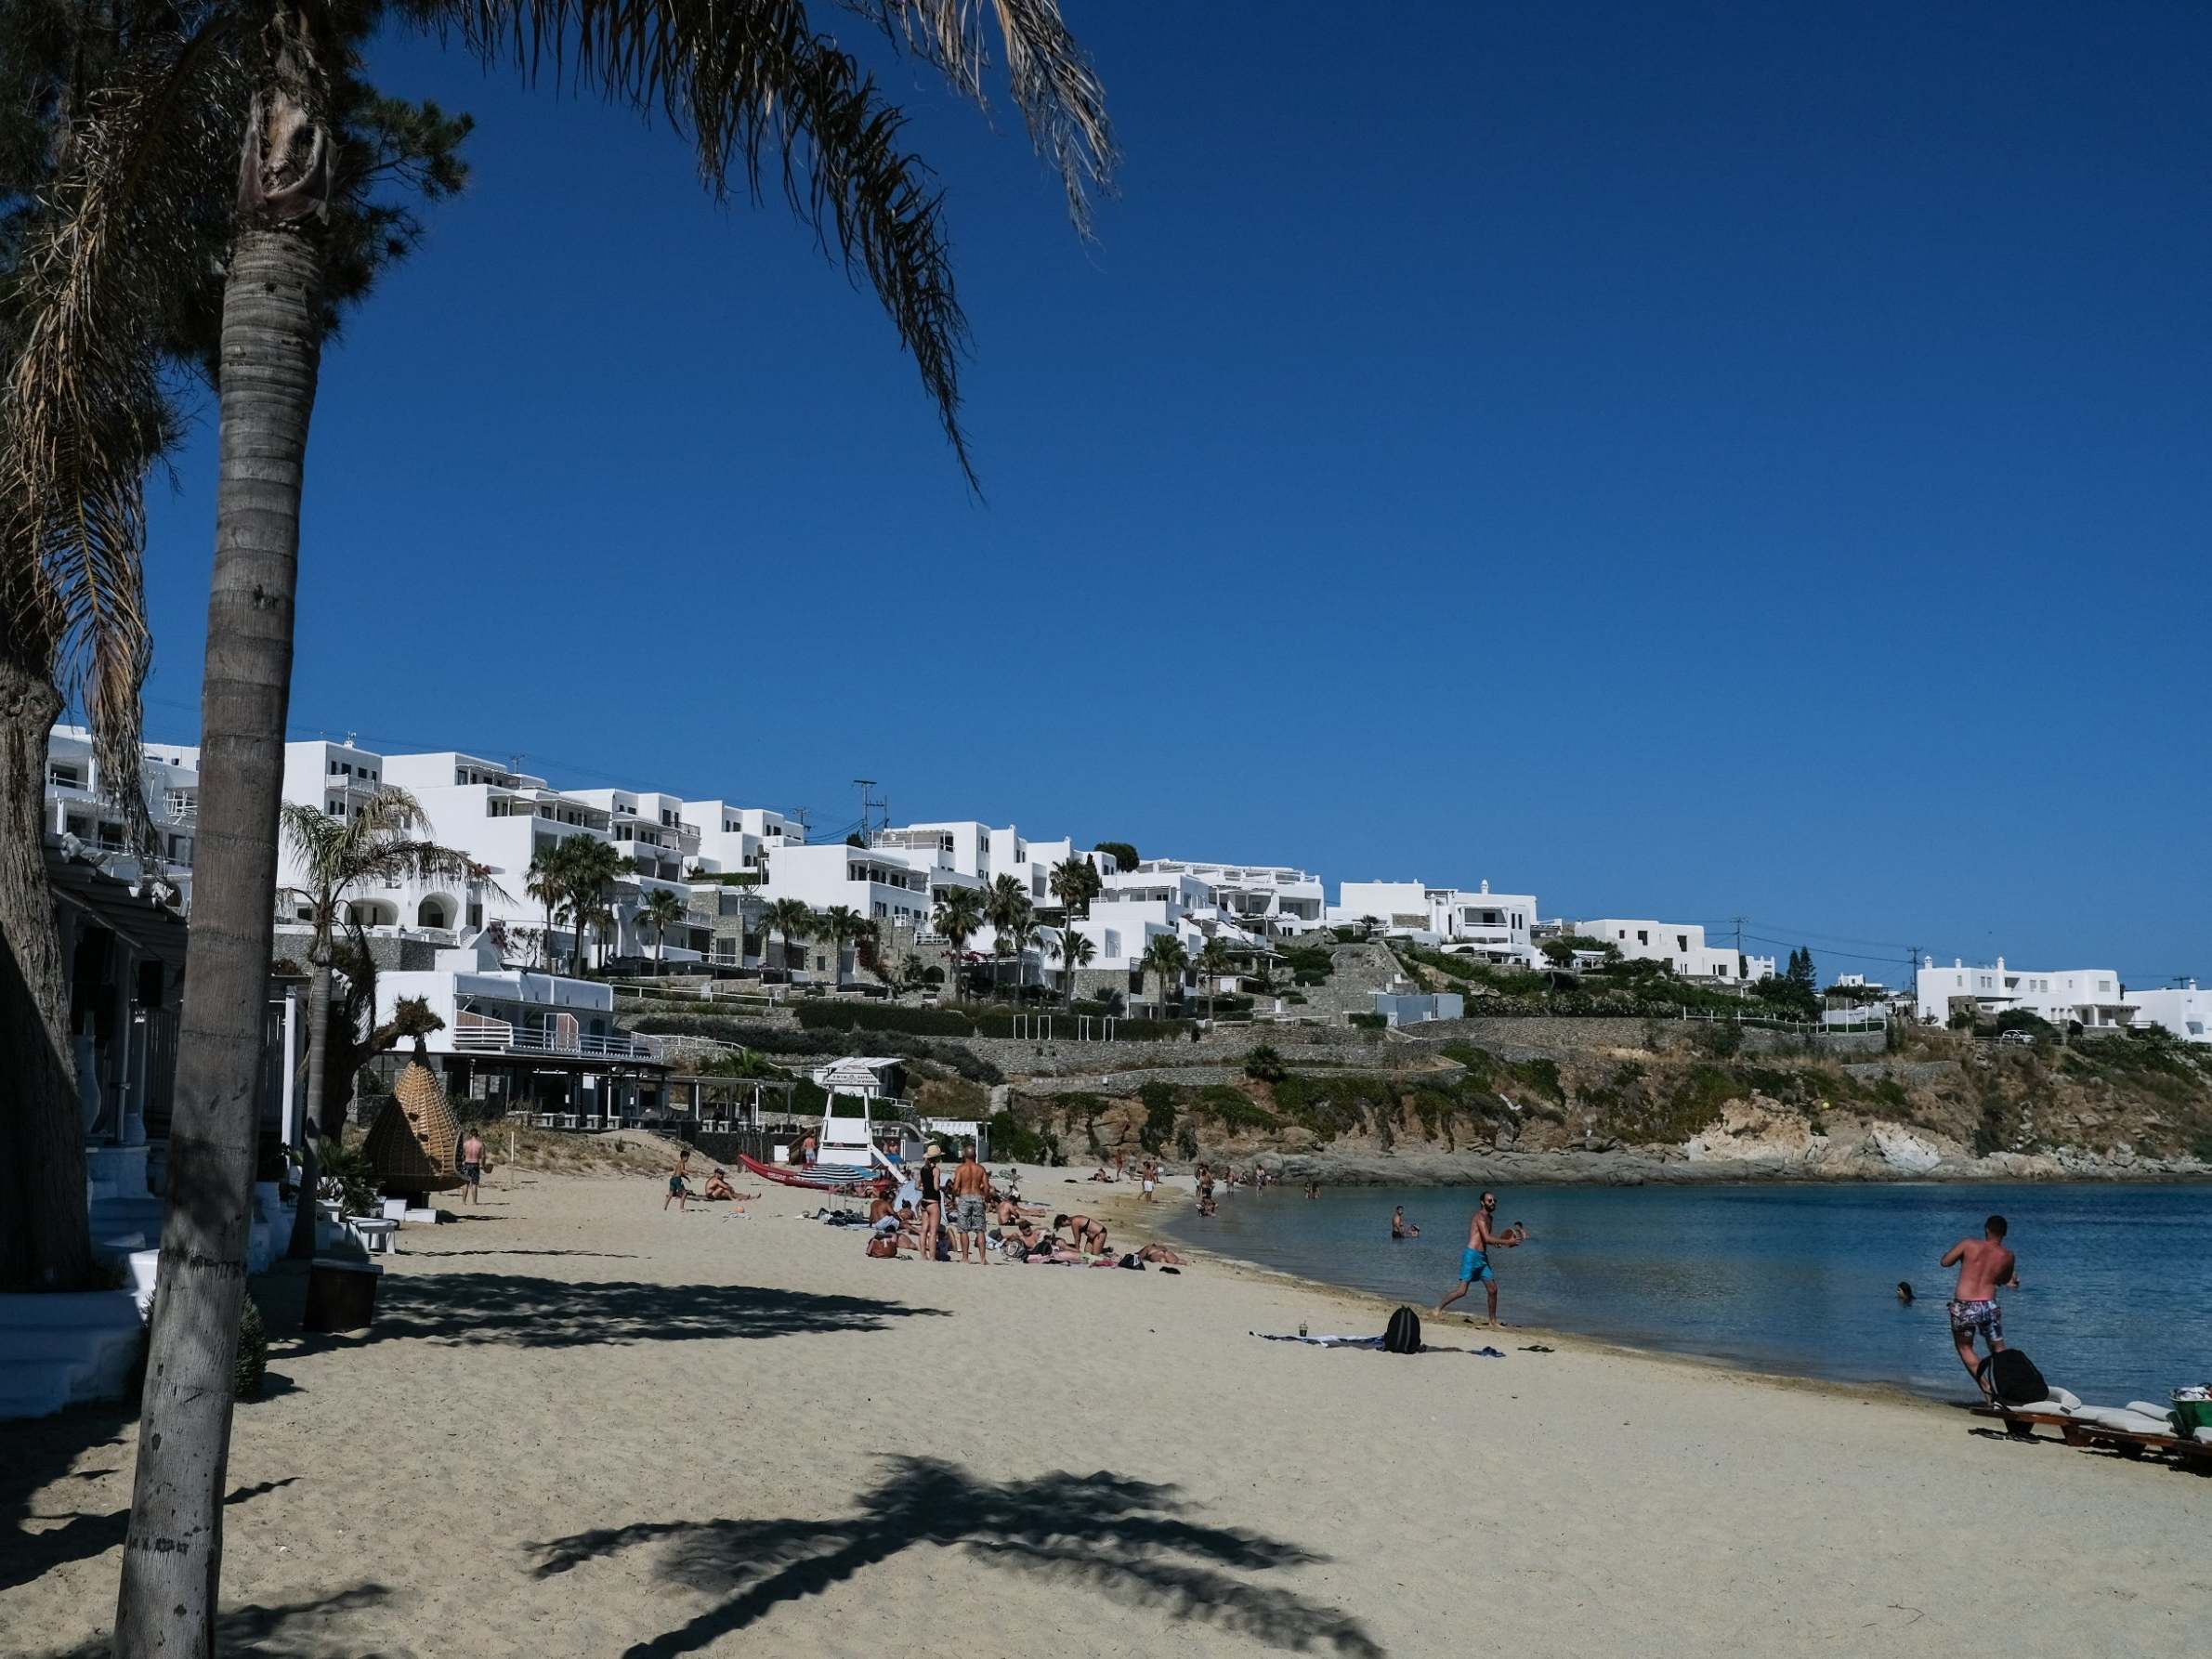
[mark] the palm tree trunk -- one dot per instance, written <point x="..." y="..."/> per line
<point x="46" y="1241"/>
<point x="271" y="351"/>
<point x="302" y="1248"/>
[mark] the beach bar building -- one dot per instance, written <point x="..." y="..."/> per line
<point x="539" y="1043"/>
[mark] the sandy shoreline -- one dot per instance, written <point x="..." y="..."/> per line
<point x="583" y="1426"/>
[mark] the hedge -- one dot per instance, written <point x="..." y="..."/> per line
<point x="885" y="1016"/>
<point x="956" y="1022"/>
<point x="831" y="1043"/>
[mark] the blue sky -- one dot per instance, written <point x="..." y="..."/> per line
<point x="1689" y="461"/>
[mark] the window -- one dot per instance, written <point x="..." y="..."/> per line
<point x="336" y="809"/>
<point x="1682" y="943"/>
<point x="1643" y="937"/>
<point x="334" y="766"/>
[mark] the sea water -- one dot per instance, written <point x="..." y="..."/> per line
<point x="2115" y="1297"/>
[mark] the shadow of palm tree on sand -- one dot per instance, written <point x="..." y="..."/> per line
<point x="325" y="1628"/>
<point x="520" y="1311"/>
<point x="1126" y="1539"/>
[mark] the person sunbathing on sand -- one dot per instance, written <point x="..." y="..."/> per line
<point x="718" y="1185"/>
<point x="1160" y="1253"/>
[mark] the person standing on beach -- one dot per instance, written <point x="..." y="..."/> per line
<point x="472" y="1165"/>
<point x="1474" y="1260"/>
<point x="1983" y="1264"/>
<point x="932" y="1208"/>
<point x="1151" y="1177"/>
<point x="969" y="1183"/>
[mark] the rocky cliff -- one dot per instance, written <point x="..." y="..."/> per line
<point x="1667" y="1106"/>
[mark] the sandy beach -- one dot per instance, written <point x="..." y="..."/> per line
<point x="584" y="1426"/>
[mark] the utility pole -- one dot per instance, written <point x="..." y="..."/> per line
<point x="864" y="785"/>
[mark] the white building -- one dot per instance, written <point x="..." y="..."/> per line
<point x="733" y="839"/>
<point x="1680" y="945"/>
<point x="77" y="801"/>
<point x="876" y="885"/>
<point x="2183" y="1010"/>
<point x="981" y="853"/>
<point x="2092" y="998"/>
<point x="1497" y="927"/>
<point x="1272" y="899"/>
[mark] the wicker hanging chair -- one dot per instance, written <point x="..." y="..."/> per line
<point x="413" y="1140"/>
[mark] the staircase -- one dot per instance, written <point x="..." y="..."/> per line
<point x="63" y="1350"/>
<point x="57" y="1350"/>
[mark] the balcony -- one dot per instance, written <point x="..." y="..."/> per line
<point x="478" y="1034"/>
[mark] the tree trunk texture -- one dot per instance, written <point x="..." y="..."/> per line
<point x="46" y="1241"/>
<point x="173" y="1553"/>
<point x="311" y="1107"/>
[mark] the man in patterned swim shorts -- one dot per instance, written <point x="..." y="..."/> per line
<point x="1983" y="1264"/>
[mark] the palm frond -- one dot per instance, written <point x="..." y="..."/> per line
<point x="1058" y="93"/>
<point x="760" y="93"/>
<point x="83" y="414"/>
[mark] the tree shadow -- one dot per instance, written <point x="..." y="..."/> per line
<point x="1126" y="1539"/>
<point x="604" y="1255"/>
<point x="323" y="1629"/>
<point x="81" y="1535"/>
<point x="478" y="1309"/>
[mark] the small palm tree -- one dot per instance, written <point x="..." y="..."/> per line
<point x="1073" y="950"/>
<point x="841" y="925"/>
<point x="1166" y="957"/>
<point x="383" y="841"/>
<point x="661" y="910"/>
<point x="1002" y="903"/>
<point x="545" y="883"/>
<point x="795" y="919"/>
<point x="1213" y="961"/>
<point x="1075" y="882"/>
<point x="958" y="914"/>
<point x="589" y="869"/>
<point x="1021" y="938"/>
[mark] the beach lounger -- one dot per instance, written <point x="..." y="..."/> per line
<point x="2129" y="1431"/>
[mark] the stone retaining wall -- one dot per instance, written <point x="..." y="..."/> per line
<point x="1554" y="1037"/>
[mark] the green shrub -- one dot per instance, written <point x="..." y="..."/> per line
<point x="885" y="1016"/>
<point x="1159" y="1113"/>
<point x="250" y="1367"/>
<point x="1263" y="1065"/>
<point x="1010" y="1138"/>
<point x="1366" y="1022"/>
<point x="1232" y="1108"/>
<point x="344" y="1172"/>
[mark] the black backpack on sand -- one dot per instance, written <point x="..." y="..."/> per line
<point x="2012" y="1378"/>
<point x="1402" y="1335"/>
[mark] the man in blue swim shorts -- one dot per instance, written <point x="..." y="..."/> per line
<point x="1474" y="1260"/>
